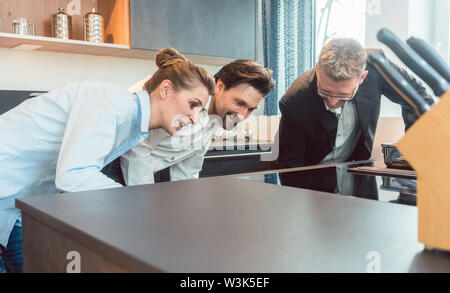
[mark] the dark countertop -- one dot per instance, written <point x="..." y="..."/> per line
<point x="400" y="187"/>
<point x="225" y="224"/>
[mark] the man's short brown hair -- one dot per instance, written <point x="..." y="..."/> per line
<point x="246" y="71"/>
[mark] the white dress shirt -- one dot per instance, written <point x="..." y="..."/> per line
<point x="348" y="133"/>
<point x="61" y="140"/>
<point x="183" y="152"/>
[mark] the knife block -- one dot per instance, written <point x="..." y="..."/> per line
<point x="426" y="146"/>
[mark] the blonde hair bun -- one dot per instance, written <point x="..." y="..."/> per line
<point x="181" y="72"/>
<point x="169" y="56"/>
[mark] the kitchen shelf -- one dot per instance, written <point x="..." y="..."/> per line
<point x="116" y="15"/>
<point x="38" y="43"/>
<point x="25" y="42"/>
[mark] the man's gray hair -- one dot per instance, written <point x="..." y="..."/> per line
<point x="343" y="59"/>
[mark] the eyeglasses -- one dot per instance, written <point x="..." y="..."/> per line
<point x="340" y="98"/>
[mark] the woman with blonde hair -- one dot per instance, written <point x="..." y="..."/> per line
<point x="61" y="140"/>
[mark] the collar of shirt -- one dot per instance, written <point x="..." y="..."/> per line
<point x="144" y="100"/>
<point x="337" y="111"/>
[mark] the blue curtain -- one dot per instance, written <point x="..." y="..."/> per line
<point x="288" y="43"/>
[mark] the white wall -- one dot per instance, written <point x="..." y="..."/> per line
<point x="442" y="31"/>
<point x="421" y="19"/>
<point x="405" y="18"/>
<point x="40" y="70"/>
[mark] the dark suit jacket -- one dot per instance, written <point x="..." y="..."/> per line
<point x="307" y="130"/>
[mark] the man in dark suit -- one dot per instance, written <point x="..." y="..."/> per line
<point x="330" y="113"/>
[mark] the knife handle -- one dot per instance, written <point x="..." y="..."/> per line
<point x="402" y="87"/>
<point x="431" y="56"/>
<point x="414" y="61"/>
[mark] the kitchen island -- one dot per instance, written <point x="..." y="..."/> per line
<point x="222" y="224"/>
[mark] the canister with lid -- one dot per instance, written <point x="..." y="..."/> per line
<point x="93" y="27"/>
<point x="20" y="26"/>
<point x="61" y="25"/>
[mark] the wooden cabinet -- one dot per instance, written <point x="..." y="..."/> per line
<point x="226" y="29"/>
<point x="39" y="12"/>
<point x="116" y="16"/>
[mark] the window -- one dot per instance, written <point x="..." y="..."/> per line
<point x="340" y="18"/>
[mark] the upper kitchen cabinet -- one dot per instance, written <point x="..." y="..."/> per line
<point x="216" y="28"/>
